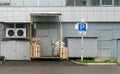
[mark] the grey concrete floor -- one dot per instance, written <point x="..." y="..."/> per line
<point x="54" y="67"/>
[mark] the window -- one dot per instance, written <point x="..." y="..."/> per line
<point x="80" y="2"/>
<point x="107" y="2"/>
<point x="4" y="2"/>
<point x="117" y="2"/>
<point x="95" y="2"/>
<point x="69" y="2"/>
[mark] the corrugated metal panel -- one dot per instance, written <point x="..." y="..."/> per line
<point x="8" y="50"/>
<point x="15" y="50"/>
<point x="47" y="32"/>
<point x="46" y="46"/>
<point x="119" y="51"/>
<point x="90" y="47"/>
<point x="114" y="50"/>
<point x="22" y="48"/>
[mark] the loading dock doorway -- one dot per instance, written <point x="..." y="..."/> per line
<point x="46" y="26"/>
<point x="48" y="33"/>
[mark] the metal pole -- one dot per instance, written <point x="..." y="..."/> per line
<point x="82" y="47"/>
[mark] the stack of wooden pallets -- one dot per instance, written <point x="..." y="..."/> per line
<point x="64" y="53"/>
<point x="35" y="48"/>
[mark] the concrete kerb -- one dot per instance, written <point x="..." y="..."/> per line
<point x="94" y="63"/>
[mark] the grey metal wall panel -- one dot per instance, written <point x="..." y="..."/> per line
<point x="104" y="31"/>
<point x="90" y="47"/>
<point x="9" y="16"/>
<point x="46" y="48"/>
<point x="3" y="16"/>
<point x="114" y="50"/>
<point x="119" y="51"/>
<point x="68" y="13"/>
<point x="106" y="35"/>
<point x="116" y="26"/>
<point x="116" y="16"/>
<point x="42" y="33"/>
<point x="93" y="33"/>
<point x="105" y="54"/>
<point x="2" y="33"/>
<point x="70" y="33"/>
<point x="8" y="50"/>
<point x="19" y="16"/>
<point x="47" y="32"/>
<point x="2" y="26"/>
<point x="106" y="44"/>
<point x="116" y="34"/>
<point x="22" y="50"/>
<point x="53" y="34"/>
<point x="68" y="25"/>
<point x="15" y="50"/>
<point x="104" y="49"/>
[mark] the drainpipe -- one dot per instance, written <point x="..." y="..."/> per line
<point x="60" y="33"/>
<point x="30" y="36"/>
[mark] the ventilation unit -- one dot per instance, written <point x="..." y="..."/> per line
<point x="16" y="33"/>
<point x="20" y="32"/>
<point x="10" y="32"/>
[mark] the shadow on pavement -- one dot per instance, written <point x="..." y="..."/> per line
<point x="40" y="63"/>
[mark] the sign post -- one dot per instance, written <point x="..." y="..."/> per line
<point x="82" y="27"/>
<point x="82" y="47"/>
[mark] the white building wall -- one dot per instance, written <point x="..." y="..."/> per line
<point x="69" y="14"/>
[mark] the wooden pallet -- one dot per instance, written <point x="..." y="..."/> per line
<point x="64" y="53"/>
<point x="35" y="51"/>
<point x="35" y="48"/>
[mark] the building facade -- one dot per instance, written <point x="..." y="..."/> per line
<point x="102" y="16"/>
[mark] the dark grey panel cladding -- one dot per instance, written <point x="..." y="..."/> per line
<point x="28" y="30"/>
<point x="2" y="30"/>
<point x="114" y="50"/>
<point x="46" y="19"/>
<point x="104" y="31"/>
<point x="119" y="51"/>
<point x="46" y="25"/>
<point x="48" y="33"/>
<point x="2" y="34"/>
<point x="74" y="47"/>
<point x="47" y="30"/>
<point x="69" y="31"/>
<point x="46" y="48"/>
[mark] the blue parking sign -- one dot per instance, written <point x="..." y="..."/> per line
<point x="82" y="26"/>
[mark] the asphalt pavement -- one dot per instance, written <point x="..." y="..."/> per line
<point x="40" y="63"/>
<point x="54" y="67"/>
